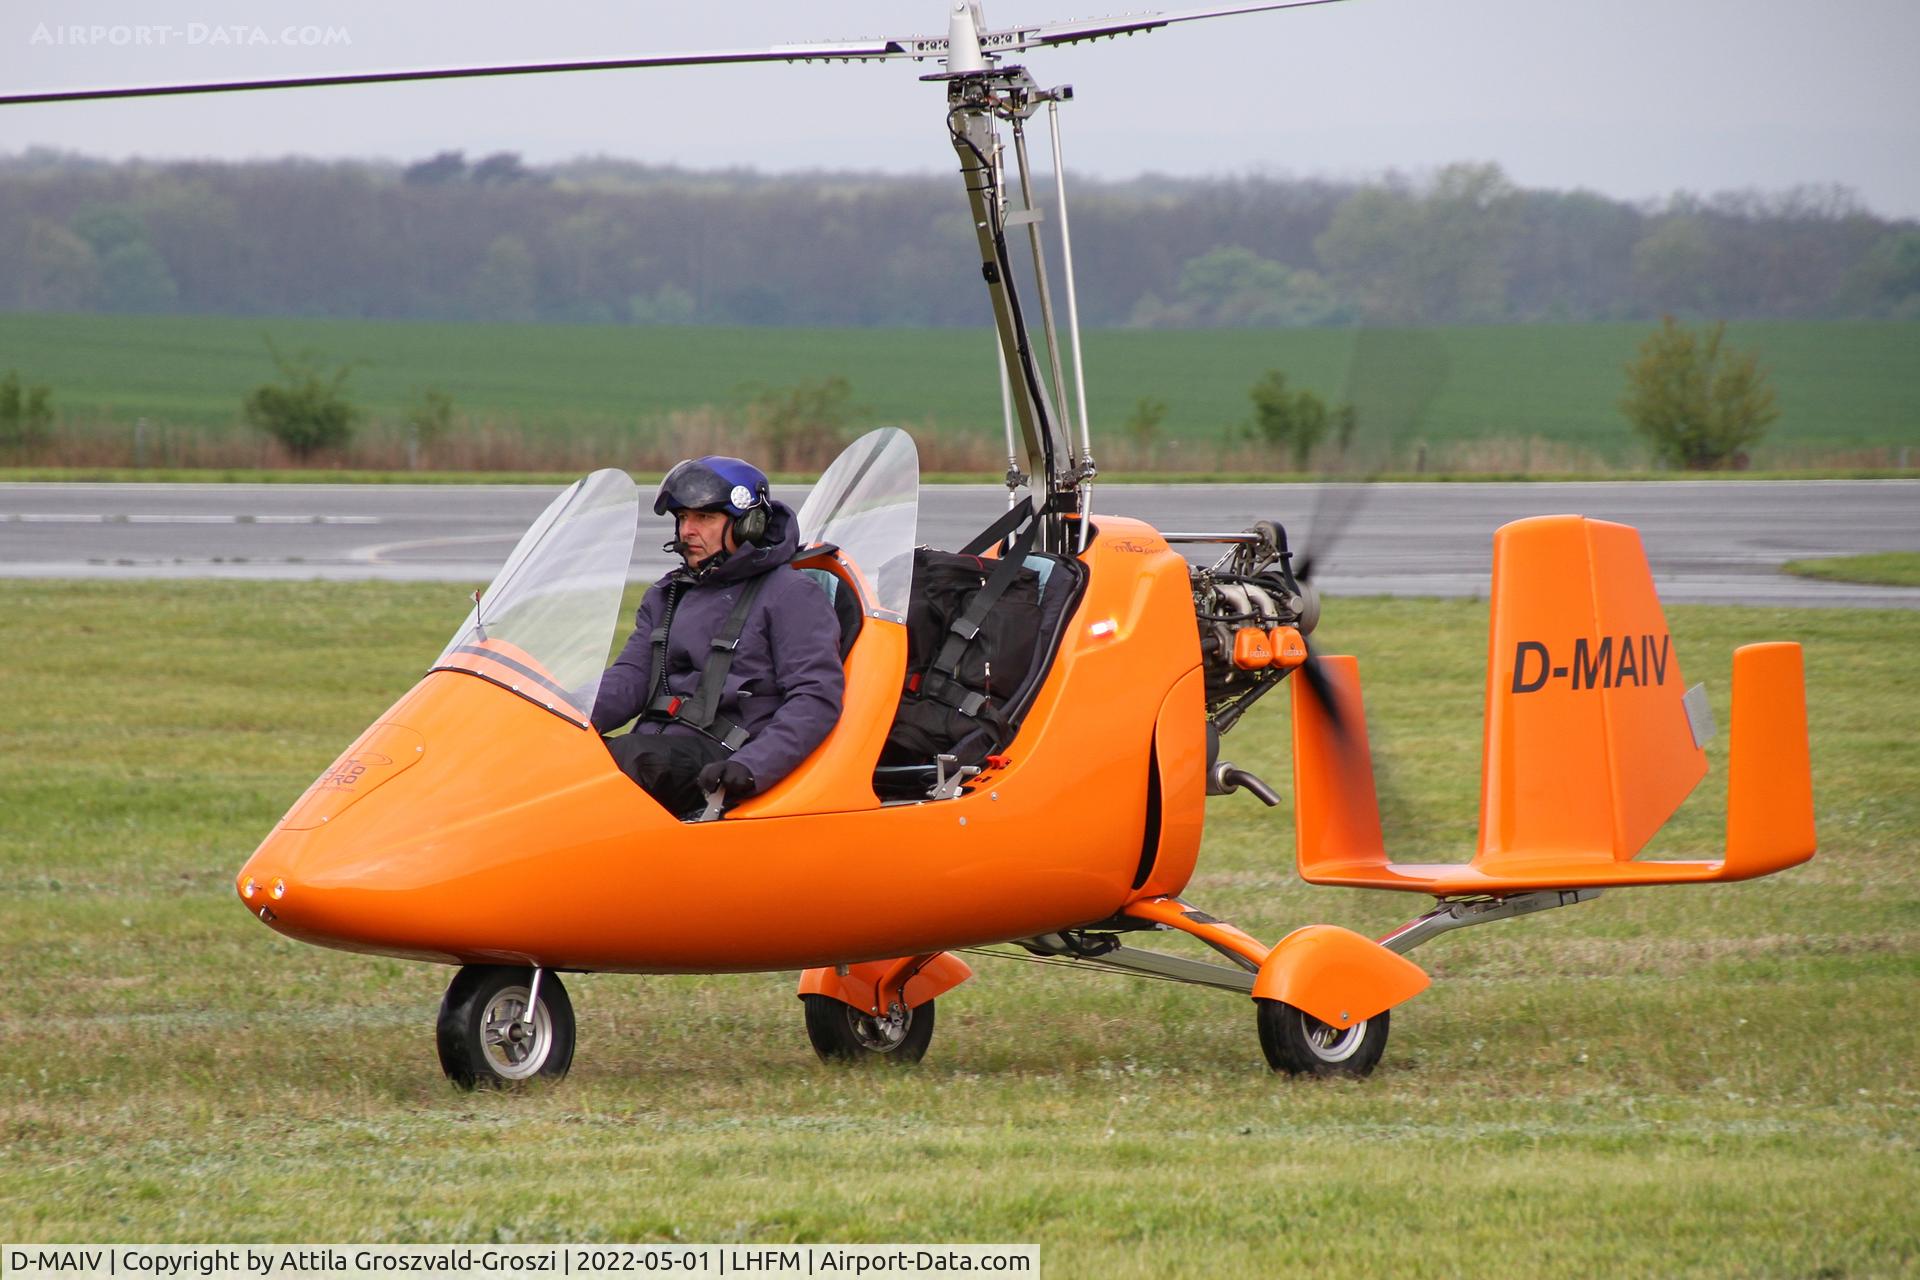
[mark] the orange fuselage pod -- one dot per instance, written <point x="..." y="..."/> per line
<point x="499" y="830"/>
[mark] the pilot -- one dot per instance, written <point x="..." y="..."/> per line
<point x="733" y="667"/>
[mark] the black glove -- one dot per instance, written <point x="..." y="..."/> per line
<point x="729" y="776"/>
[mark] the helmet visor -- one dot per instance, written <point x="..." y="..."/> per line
<point x="692" y="486"/>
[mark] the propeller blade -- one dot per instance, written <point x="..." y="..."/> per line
<point x="1392" y="380"/>
<point x="1321" y="687"/>
<point x="853" y="51"/>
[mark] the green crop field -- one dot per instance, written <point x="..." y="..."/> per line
<point x="1841" y="386"/>
<point x="1706" y="1080"/>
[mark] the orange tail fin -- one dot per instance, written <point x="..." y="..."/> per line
<point x="1588" y="746"/>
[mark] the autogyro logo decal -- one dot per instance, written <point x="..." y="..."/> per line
<point x="353" y="768"/>
<point x="1611" y="662"/>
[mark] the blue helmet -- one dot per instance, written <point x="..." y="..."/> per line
<point x="718" y="483"/>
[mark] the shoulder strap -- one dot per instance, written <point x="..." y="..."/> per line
<point x="1000" y="528"/>
<point x="701" y="709"/>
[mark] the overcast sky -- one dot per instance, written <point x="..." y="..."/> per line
<point x="1633" y="98"/>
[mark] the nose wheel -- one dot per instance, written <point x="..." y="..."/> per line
<point x="1300" y="1044"/>
<point x="501" y="1025"/>
<point x="842" y="1033"/>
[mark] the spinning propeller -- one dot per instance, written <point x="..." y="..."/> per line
<point x="1392" y="381"/>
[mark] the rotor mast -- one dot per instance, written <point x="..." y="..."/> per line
<point x="980" y="95"/>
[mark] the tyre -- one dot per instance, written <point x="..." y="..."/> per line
<point x="842" y="1033"/>
<point x="485" y="1037"/>
<point x="1300" y="1044"/>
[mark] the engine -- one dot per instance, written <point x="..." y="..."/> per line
<point x="1242" y="603"/>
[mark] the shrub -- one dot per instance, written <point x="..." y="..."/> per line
<point x="802" y="426"/>
<point x="1143" y="424"/>
<point x="307" y="410"/>
<point x="24" y="411"/>
<point x="1297" y="420"/>
<point x="1698" y="404"/>
<point x="430" y="417"/>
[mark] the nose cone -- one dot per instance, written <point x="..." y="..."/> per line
<point x="446" y="832"/>
<point x="377" y="757"/>
<point x="294" y="884"/>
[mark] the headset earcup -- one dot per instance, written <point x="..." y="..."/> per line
<point x="751" y="527"/>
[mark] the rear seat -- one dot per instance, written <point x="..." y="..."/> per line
<point x="846" y="609"/>
<point x="1061" y="581"/>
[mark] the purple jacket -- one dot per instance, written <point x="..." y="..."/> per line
<point x="785" y="685"/>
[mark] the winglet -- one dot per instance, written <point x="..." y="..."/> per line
<point x="1769" y="774"/>
<point x="1336" y="812"/>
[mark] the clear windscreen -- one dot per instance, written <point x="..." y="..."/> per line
<point x="543" y="628"/>
<point x="868" y="504"/>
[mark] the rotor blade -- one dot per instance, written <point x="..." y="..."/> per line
<point x="848" y="51"/>
<point x="1015" y="39"/>
<point x="919" y="48"/>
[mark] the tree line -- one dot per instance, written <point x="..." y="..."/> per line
<point x="606" y="241"/>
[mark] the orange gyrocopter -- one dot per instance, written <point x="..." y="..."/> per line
<point x="481" y="822"/>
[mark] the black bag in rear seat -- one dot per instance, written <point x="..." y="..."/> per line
<point x="972" y="627"/>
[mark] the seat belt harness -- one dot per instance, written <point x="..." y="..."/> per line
<point x="701" y="710"/>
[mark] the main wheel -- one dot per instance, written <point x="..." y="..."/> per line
<point x="842" y="1033"/>
<point x="1300" y="1044"/>
<point x="486" y="1037"/>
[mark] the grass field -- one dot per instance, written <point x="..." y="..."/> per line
<point x="1550" y="389"/>
<point x="1711" y="1081"/>
<point x="1884" y="568"/>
